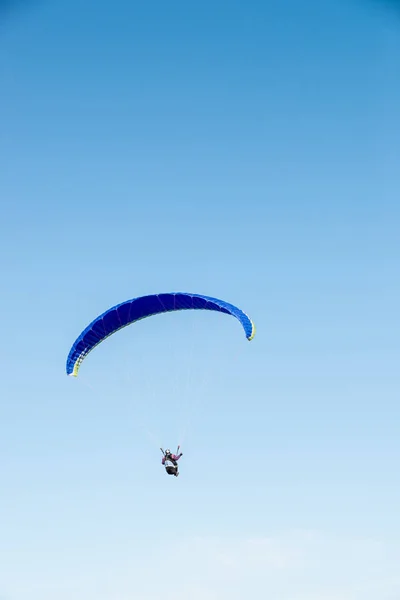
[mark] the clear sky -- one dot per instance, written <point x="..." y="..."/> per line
<point x="244" y="150"/>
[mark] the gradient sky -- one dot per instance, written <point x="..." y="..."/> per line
<point x="244" y="150"/>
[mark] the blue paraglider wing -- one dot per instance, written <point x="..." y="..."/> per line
<point x="133" y="310"/>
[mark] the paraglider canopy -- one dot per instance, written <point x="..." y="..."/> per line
<point x="128" y="312"/>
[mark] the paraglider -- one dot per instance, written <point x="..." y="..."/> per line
<point x="133" y="310"/>
<point x="129" y="312"/>
<point x="170" y="461"/>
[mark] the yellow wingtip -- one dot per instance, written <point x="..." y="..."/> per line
<point x="76" y="369"/>
<point x="253" y="331"/>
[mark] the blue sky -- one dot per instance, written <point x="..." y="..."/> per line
<point x="247" y="151"/>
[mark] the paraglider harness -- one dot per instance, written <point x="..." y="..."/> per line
<point x="171" y="469"/>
